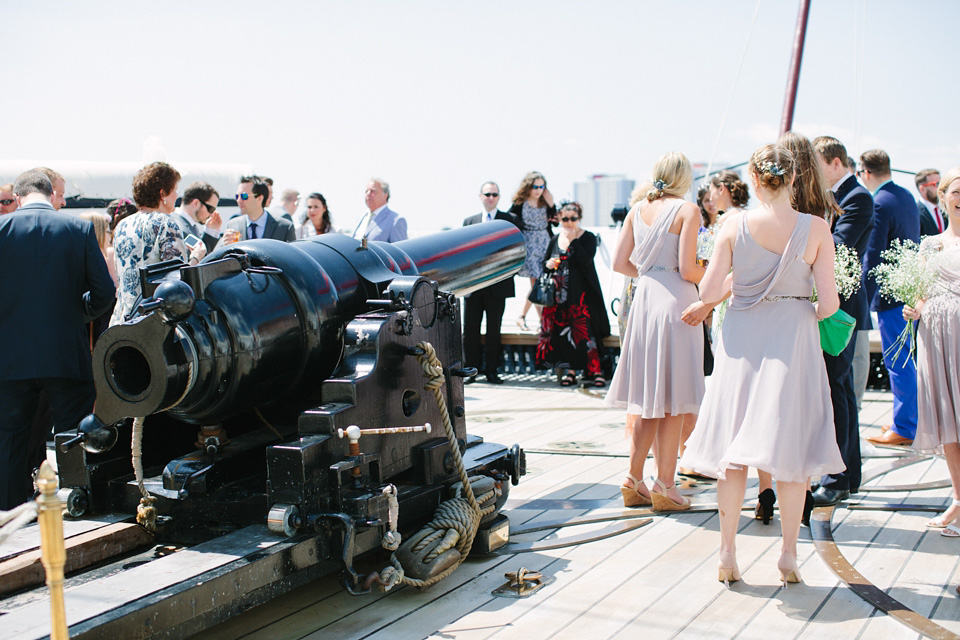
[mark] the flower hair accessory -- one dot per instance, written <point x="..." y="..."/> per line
<point x="772" y="168"/>
<point x="659" y="185"/>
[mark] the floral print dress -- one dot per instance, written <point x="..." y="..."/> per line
<point x="568" y="329"/>
<point x="139" y="241"/>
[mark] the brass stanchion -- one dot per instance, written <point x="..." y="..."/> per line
<point x="52" y="551"/>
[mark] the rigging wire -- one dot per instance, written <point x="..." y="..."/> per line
<point x="860" y="24"/>
<point x="733" y="86"/>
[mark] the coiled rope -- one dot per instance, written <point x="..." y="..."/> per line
<point x="456" y="521"/>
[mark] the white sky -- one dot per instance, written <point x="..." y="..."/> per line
<point x="438" y="96"/>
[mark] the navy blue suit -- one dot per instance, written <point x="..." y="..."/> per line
<point x="896" y="217"/>
<point x="492" y="301"/>
<point x="852" y="229"/>
<point x="55" y="281"/>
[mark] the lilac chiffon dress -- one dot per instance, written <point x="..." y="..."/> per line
<point x="661" y="358"/>
<point x="938" y="356"/>
<point x="768" y="401"/>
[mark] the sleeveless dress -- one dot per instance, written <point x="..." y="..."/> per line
<point x="938" y="355"/>
<point x="661" y="358"/>
<point x="768" y="401"/>
<point x="536" y="237"/>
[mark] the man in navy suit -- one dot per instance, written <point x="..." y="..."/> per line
<point x="490" y="300"/>
<point x="932" y="220"/>
<point x="57" y="281"/>
<point x="380" y="223"/>
<point x="254" y="222"/>
<point x="895" y="217"/>
<point x="852" y="229"/>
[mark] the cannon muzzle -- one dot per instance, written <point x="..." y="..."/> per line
<point x="262" y="322"/>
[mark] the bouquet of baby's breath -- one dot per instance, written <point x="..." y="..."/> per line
<point x="847" y="271"/>
<point x="906" y="275"/>
<point x="705" y="241"/>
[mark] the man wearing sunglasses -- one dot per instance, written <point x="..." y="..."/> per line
<point x="8" y="203"/>
<point x="254" y="222"/>
<point x="197" y="214"/>
<point x="932" y="220"/>
<point x="489" y="300"/>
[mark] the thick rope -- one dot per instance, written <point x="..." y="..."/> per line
<point x="16" y="518"/>
<point x="456" y="521"/>
<point x="146" y="511"/>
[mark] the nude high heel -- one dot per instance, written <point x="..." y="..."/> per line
<point x="663" y="503"/>
<point x="632" y="497"/>
<point x="729" y="574"/>
<point x="789" y="571"/>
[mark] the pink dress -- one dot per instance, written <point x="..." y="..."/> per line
<point x="661" y="359"/>
<point x="768" y="401"/>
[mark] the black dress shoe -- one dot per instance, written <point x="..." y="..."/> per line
<point x="824" y="497"/>
<point x="493" y="378"/>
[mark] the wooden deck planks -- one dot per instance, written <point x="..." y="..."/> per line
<point x="656" y="582"/>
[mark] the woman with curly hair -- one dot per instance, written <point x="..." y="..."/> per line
<point x="571" y="330"/>
<point x="764" y="407"/>
<point x="148" y="236"/>
<point x="659" y="379"/>
<point x="534" y="210"/>
<point x="728" y="192"/>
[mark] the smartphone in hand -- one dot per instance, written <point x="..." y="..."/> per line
<point x="191" y="241"/>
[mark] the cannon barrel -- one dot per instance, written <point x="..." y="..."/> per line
<point x="262" y="322"/>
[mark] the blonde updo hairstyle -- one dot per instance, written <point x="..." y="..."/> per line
<point x="672" y="176"/>
<point x="773" y="166"/>
<point x="945" y="180"/>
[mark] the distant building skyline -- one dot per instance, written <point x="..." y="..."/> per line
<point x="600" y="194"/>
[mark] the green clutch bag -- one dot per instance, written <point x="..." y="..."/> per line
<point x="836" y="331"/>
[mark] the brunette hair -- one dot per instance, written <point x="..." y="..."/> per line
<point x="526" y="186"/>
<point x="739" y="192"/>
<point x="810" y="193"/>
<point x="876" y="161"/>
<point x="151" y="182"/>
<point x="923" y="174"/>
<point x="201" y="191"/>
<point x="118" y="210"/>
<point x="830" y="149"/>
<point x="773" y="165"/>
<point x="572" y="205"/>
<point x="326" y="222"/>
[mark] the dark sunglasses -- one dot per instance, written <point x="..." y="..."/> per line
<point x="542" y="186"/>
<point x="243" y="196"/>
<point x="212" y="207"/>
<point x="491" y="195"/>
<point x="7" y="202"/>
<point x="569" y="219"/>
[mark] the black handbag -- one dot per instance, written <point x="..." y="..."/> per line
<point x="544" y="292"/>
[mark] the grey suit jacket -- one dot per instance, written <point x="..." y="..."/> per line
<point x="187" y="225"/>
<point x="387" y="226"/>
<point x="274" y="229"/>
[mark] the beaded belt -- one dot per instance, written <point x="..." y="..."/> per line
<point x="659" y="268"/>
<point x="779" y="298"/>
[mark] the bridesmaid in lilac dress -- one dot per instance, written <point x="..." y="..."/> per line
<point x="659" y="379"/>
<point x="768" y="405"/>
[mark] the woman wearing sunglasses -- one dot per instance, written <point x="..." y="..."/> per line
<point x="571" y="331"/>
<point x="534" y="209"/>
<point x="148" y="236"/>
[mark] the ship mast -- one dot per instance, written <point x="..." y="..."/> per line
<point x="786" y="121"/>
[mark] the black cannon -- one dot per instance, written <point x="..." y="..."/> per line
<point x="254" y="365"/>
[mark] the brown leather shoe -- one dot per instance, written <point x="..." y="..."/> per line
<point x="890" y="438"/>
<point x="886" y="427"/>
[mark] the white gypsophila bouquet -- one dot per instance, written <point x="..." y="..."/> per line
<point x="705" y="241"/>
<point x="847" y="271"/>
<point x="906" y="275"/>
